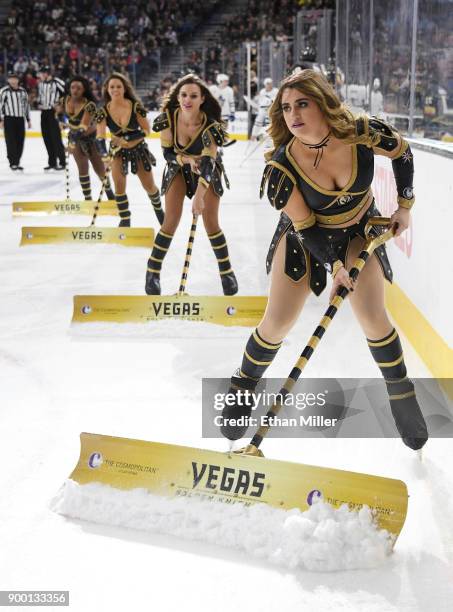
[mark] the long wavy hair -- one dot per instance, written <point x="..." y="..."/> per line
<point x="339" y="118"/>
<point x="210" y="105"/>
<point x="87" y="93"/>
<point x="129" y="91"/>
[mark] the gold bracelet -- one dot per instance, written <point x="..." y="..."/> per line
<point x="405" y="203"/>
<point x="336" y="266"/>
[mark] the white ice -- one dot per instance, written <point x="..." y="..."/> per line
<point x="57" y="380"/>
<point x="320" y="539"/>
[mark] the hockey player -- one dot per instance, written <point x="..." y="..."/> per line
<point x="225" y="97"/>
<point x="265" y="99"/>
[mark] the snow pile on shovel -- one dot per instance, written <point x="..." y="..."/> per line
<point x="319" y="539"/>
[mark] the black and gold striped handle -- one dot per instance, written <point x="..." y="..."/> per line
<point x="371" y="244"/>
<point x="185" y="269"/>
<point x="101" y="193"/>
<point x="66" y="167"/>
<point x="112" y="152"/>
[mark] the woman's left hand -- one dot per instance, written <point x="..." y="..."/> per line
<point x="401" y="219"/>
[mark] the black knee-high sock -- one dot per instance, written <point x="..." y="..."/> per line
<point x="388" y="354"/>
<point x="86" y="186"/>
<point x="258" y="356"/>
<point x="123" y="205"/>
<point x="157" y="205"/>
<point x="220" y="248"/>
<point x="162" y="243"/>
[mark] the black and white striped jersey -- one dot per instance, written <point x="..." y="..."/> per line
<point x="49" y="92"/>
<point x="14" y="103"/>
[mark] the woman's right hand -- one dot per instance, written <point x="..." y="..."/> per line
<point x="342" y="279"/>
<point x="197" y="204"/>
<point x="193" y="163"/>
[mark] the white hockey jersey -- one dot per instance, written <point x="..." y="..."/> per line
<point x="265" y="100"/>
<point x="225" y="97"/>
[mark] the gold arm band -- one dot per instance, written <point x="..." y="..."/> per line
<point x="404" y="203"/>
<point x="305" y="223"/>
<point x="336" y="266"/>
<point x="205" y="183"/>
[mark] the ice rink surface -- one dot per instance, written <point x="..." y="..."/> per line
<point x="57" y="380"/>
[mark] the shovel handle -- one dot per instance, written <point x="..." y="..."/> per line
<point x="185" y="268"/>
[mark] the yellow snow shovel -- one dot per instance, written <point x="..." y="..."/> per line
<point x="222" y="310"/>
<point x="246" y="476"/>
<point x="124" y="236"/>
<point x="67" y="206"/>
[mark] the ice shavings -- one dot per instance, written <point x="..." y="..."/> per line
<point x="319" y="539"/>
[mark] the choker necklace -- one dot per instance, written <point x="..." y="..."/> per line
<point x="319" y="148"/>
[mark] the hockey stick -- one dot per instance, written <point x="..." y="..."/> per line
<point x="370" y="246"/>
<point x="260" y="141"/>
<point x="185" y="269"/>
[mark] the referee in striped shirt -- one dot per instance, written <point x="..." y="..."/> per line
<point x="50" y="90"/>
<point x="14" y="111"/>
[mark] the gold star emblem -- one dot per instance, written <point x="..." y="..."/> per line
<point x="407" y="156"/>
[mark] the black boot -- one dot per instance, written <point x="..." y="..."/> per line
<point x="388" y="354"/>
<point x="157" y="205"/>
<point x="220" y="248"/>
<point x="258" y="356"/>
<point x="162" y="243"/>
<point x="152" y="283"/>
<point x="242" y="388"/>
<point x="229" y="283"/>
<point x="123" y="208"/>
<point x="86" y="185"/>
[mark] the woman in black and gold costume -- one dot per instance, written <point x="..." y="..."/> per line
<point x="319" y="174"/>
<point x="191" y="130"/>
<point x="126" y="119"/>
<point x="79" y="107"/>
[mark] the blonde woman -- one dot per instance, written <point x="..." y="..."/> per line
<point x="125" y="117"/>
<point x="319" y="175"/>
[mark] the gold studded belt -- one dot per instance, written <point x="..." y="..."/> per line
<point x="339" y="218"/>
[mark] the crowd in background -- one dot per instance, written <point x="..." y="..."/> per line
<point x="94" y="38"/>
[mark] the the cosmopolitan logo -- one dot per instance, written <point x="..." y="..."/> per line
<point x="95" y="460"/>
<point x="87" y="235"/>
<point x="227" y="480"/>
<point x="169" y="309"/>
<point x="67" y="207"/>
